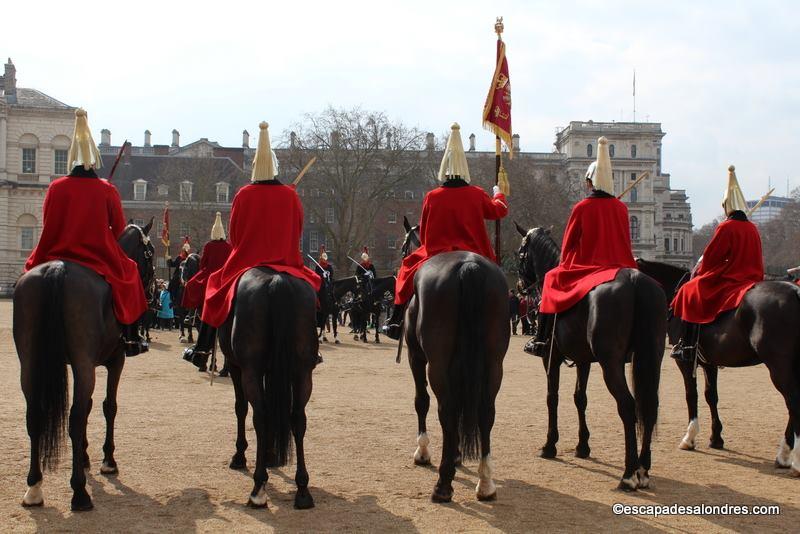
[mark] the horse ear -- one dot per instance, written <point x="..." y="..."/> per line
<point x="549" y="229"/>
<point x="148" y="226"/>
<point x="520" y="229"/>
<point x="406" y="224"/>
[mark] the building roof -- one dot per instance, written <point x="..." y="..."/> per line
<point x="32" y="98"/>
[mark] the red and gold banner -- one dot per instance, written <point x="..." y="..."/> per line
<point x="165" y="228"/>
<point x="497" y="110"/>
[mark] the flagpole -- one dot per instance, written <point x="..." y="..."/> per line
<point x="498" y="154"/>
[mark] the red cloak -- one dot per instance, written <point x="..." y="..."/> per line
<point x="82" y="223"/>
<point x="265" y="230"/>
<point x="732" y="263"/>
<point x="452" y="219"/>
<point x="597" y="244"/>
<point x="214" y="255"/>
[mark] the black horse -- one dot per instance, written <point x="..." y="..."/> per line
<point x="617" y="321"/>
<point x="186" y="317"/>
<point x="369" y="303"/>
<point x="763" y="329"/>
<point x="270" y="349"/>
<point x="328" y="310"/>
<point x="457" y="329"/>
<point x="63" y="315"/>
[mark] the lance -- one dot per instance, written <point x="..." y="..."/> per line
<point x="304" y="170"/>
<point x="354" y="261"/>
<point x="641" y="177"/>
<point x="116" y="161"/>
<point x="310" y="257"/>
<point x="760" y="202"/>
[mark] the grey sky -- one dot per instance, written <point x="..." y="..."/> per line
<point x="722" y="77"/>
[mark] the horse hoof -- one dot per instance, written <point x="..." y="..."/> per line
<point x="629" y="484"/>
<point x="582" y="451"/>
<point x="259" y="500"/>
<point x="643" y="477"/>
<point x="33" y="496"/>
<point x="548" y="452"/>
<point x="422" y="461"/>
<point x="686" y="446"/>
<point x="337" y="342"/>
<point x="238" y="462"/>
<point x="794" y="472"/>
<point x="487" y="498"/>
<point x="82" y="503"/>
<point x="439" y="496"/>
<point x="716" y="444"/>
<point x="109" y="468"/>
<point x="303" y="499"/>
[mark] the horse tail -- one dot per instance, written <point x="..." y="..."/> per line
<point x="649" y="331"/>
<point x="49" y="392"/>
<point x="468" y="365"/>
<point x="282" y="326"/>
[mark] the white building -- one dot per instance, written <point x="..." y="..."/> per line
<point x="35" y="132"/>
<point x="769" y="210"/>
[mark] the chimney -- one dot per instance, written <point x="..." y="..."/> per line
<point x="334" y="139"/>
<point x="245" y="139"/>
<point x="292" y="140"/>
<point x="147" y="138"/>
<point x="515" y="142"/>
<point x="430" y="141"/>
<point x="105" y="137"/>
<point x="10" y="80"/>
<point x="472" y="142"/>
<point x="389" y="140"/>
<point x="176" y="138"/>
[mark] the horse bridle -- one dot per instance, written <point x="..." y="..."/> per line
<point x="406" y="250"/>
<point x="149" y="252"/>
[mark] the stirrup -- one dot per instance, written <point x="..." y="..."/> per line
<point x="683" y="353"/>
<point x="536" y="348"/>
<point x="393" y="331"/>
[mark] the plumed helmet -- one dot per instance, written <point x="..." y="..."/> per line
<point x="454" y="161"/>
<point x="734" y="198"/>
<point x="265" y="164"/>
<point x="82" y="150"/>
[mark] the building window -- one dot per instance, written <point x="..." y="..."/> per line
<point x="26" y="238"/>
<point x="589" y="150"/>
<point x="683" y="244"/>
<point x="223" y="193"/>
<point x="392" y="218"/>
<point x="680" y="216"/>
<point x="633" y="151"/>
<point x="313" y="240"/>
<point x="311" y="217"/>
<point x="409" y="195"/>
<point x="666" y="244"/>
<point x="60" y="162"/>
<point x="186" y="192"/>
<point x="28" y="160"/>
<point x="634" y="195"/>
<point x="139" y="190"/>
<point x="390" y="193"/>
<point x="675" y="244"/>
<point x="163" y="190"/>
<point x="635" y="231"/>
<point x="391" y="243"/>
<point x="329" y="215"/>
<point x="669" y="216"/>
<point x="611" y="150"/>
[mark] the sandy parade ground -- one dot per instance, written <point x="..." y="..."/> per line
<point x="175" y="436"/>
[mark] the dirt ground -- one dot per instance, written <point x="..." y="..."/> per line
<point x="175" y="436"/>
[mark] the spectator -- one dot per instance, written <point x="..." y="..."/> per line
<point x="513" y="309"/>
<point x="165" y="314"/>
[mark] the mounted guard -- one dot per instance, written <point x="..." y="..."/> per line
<point x="596" y="245"/>
<point x="452" y="219"/>
<point x="265" y="226"/>
<point x="83" y="219"/>
<point x="215" y="254"/>
<point x="324" y="268"/>
<point x="730" y="266"/>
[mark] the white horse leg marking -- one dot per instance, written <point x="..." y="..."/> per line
<point x="259" y="500"/>
<point x="107" y="469"/>
<point x="633" y="482"/>
<point x="644" y="477"/>
<point x="687" y="443"/>
<point x="486" y="489"/>
<point x="422" y="456"/>
<point x="34" y="495"/>
<point x="795" y="457"/>
<point x="784" y="457"/>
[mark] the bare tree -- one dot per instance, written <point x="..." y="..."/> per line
<point x="363" y="159"/>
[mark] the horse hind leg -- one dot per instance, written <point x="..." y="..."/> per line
<point x="109" y="465"/>
<point x="83" y="387"/>
<point x="582" y="450"/>
<point x="690" y="386"/>
<point x="443" y="490"/>
<point x="302" y="392"/>
<point x="486" y="490"/>
<point x="614" y="375"/>
<point x="34" y="496"/>
<point x="239" y="461"/>
<point x="783" y="459"/>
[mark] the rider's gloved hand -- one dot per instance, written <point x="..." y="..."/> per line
<point x="495" y="190"/>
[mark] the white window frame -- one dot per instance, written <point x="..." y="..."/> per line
<point x="27" y="233"/>
<point x="224" y="191"/>
<point x="313" y="240"/>
<point x="392" y="217"/>
<point x="185" y="187"/>
<point x="32" y="170"/>
<point x="163" y="190"/>
<point x="64" y="170"/>
<point x="140" y="190"/>
<point x="330" y="215"/>
<point x="391" y="243"/>
<point x="409" y="195"/>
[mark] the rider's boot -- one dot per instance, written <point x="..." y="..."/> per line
<point x="539" y="345"/>
<point x="686" y="348"/>
<point x="132" y="341"/>
<point x="394" y="324"/>
<point x="199" y="354"/>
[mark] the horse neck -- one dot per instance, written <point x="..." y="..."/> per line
<point x="546" y="255"/>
